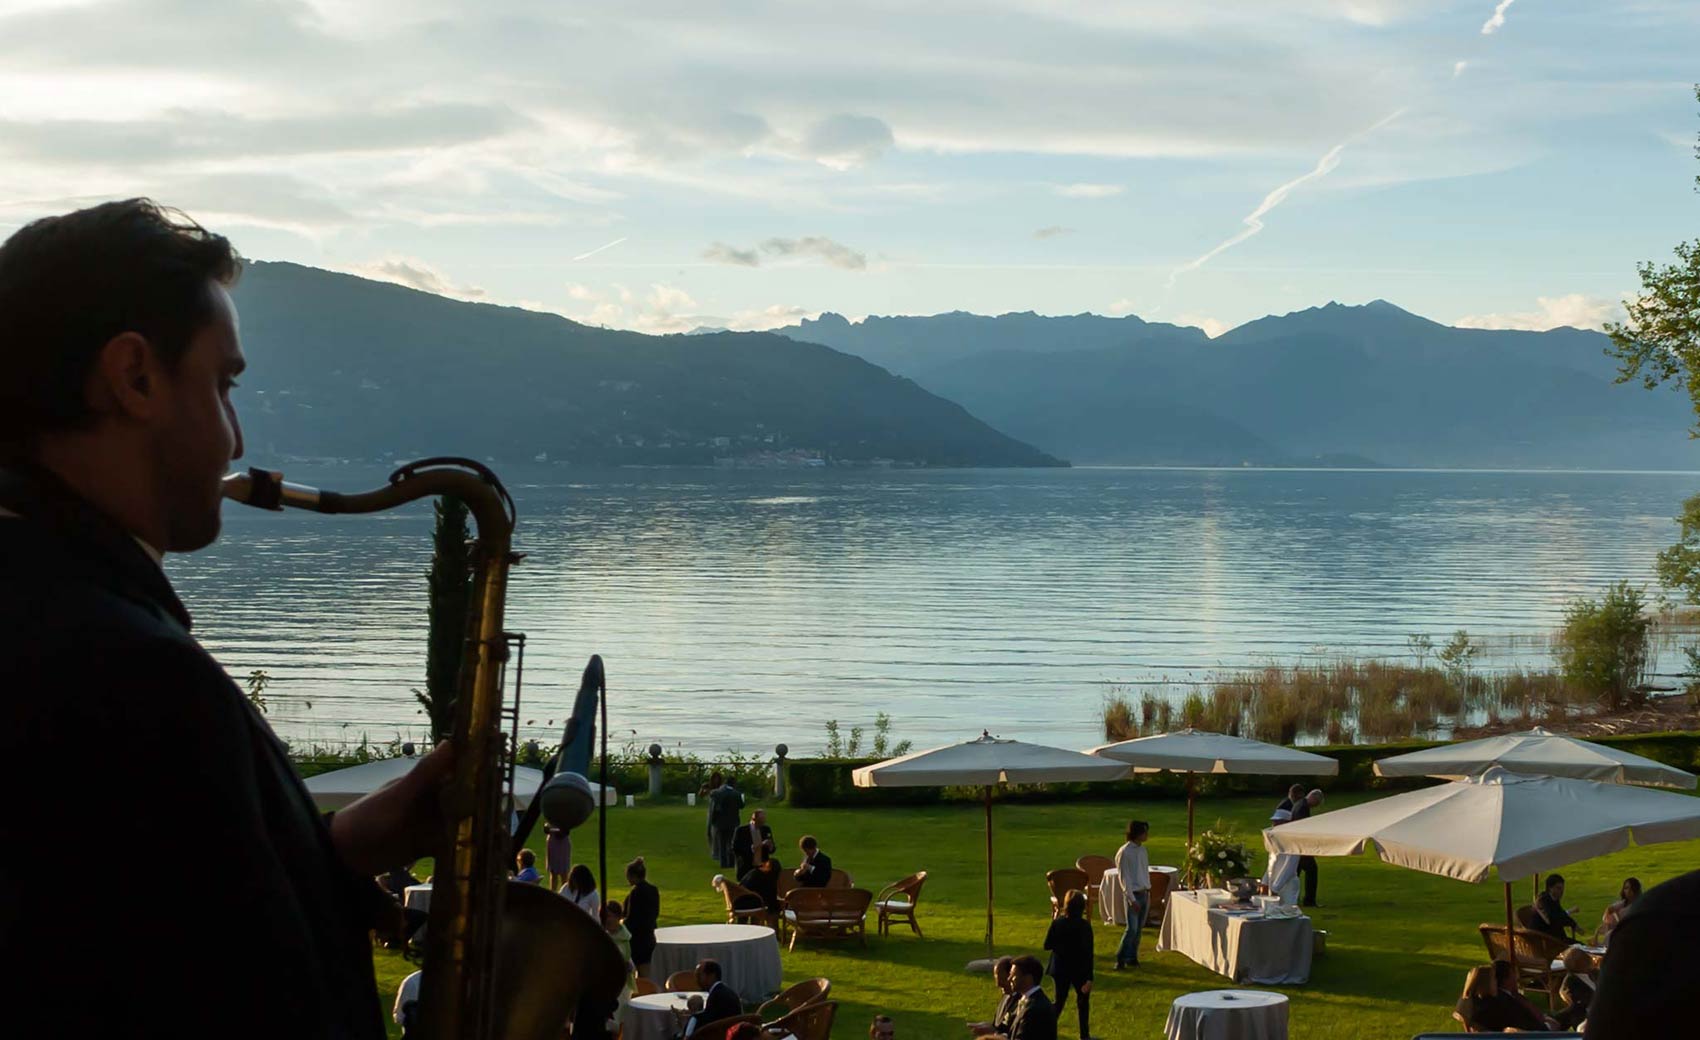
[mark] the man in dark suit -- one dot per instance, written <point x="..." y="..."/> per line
<point x="1550" y="915"/>
<point x="1302" y="808"/>
<point x="118" y="352"/>
<point x="816" y="870"/>
<point x="1035" y="1018"/>
<point x="721" y="1001"/>
<point x="753" y="842"/>
<point x="1003" y="976"/>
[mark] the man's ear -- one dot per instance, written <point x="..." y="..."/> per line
<point x="126" y="379"/>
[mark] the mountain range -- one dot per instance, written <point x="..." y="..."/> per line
<point x="1332" y="385"/>
<point x="346" y="367"/>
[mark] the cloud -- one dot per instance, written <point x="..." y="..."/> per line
<point x="1120" y="307"/>
<point x="666" y="309"/>
<point x="1497" y="22"/>
<point x="845" y="140"/>
<point x="721" y="253"/>
<point x="1458" y="68"/>
<point x="417" y="274"/>
<point x="1574" y="310"/>
<point x="1212" y="327"/>
<point x="1087" y="191"/>
<point x="1053" y="231"/>
<point x="813" y="247"/>
<point x="1253" y="221"/>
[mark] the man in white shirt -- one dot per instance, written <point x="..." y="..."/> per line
<point x="1134" y="866"/>
<point x="407" y="1002"/>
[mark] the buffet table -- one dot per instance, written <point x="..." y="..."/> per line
<point x="1243" y="945"/>
<point x="748" y="955"/>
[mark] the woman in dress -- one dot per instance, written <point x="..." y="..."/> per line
<point x="1070" y="943"/>
<point x="1627" y="894"/>
<point x="580" y="890"/>
<point x="643" y="911"/>
<point x="558" y="850"/>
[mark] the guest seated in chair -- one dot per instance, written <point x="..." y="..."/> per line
<point x="1003" y="974"/>
<point x="1577" y="988"/>
<point x="396" y="883"/>
<point x="720" y="1003"/>
<point x="1651" y="974"/>
<point x="763" y="878"/>
<point x="1035" y="1016"/>
<point x="1626" y="897"/>
<point x="1491" y="1003"/>
<point x="526" y="861"/>
<point x="1550" y="915"/>
<point x="816" y="869"/>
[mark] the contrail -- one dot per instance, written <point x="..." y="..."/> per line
<point x="1494" y="24"/>
<point x="598" y="249"/>
<point x="1254" y="221"/>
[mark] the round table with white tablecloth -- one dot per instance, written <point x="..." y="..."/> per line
<point x="1228" y="1014"/>
<point x="1112" y="901"/>
<point x="748" y="955"/>
<point x="651" y="1017"/>
<point x="417" y="897"/>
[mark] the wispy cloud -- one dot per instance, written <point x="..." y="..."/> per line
<point x="598" y="249"/>
<point x="417" y="274"/>
<point x="1253" y="221"/>
<point x="1497" y="22"/>
<point x="1053" y="231"/>
<point x="1576" y="310"/>
<point x="811" y="247"/>
<point x="1088" y="191"/>
<point x="1458" y="68"/>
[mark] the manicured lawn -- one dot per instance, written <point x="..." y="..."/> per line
<point x="1399" y="942"/>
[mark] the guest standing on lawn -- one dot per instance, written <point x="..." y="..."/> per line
<point x="580" y="890"/>
<point x="558" y="851"/>
<point x="1302" y="808"/>
<point x="748" y="843"/>
<point x="716" y="780"/>
<point x="643" y="913"/>
<point x="724" y="805"/>
<point x="1070" y="943"/>
<point x="1133" y="864"/>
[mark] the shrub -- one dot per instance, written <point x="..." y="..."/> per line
<point x="1603" y="647"/>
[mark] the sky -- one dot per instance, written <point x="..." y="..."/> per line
<point x="662" y="165"/>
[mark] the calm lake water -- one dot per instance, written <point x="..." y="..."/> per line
<point x="737" y="609"/>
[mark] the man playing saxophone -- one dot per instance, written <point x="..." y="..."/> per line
<point x="241" y="911"/>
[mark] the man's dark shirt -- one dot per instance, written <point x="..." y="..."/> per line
<point x="1301" y="809"/>
<point x="398" y="881"/>
<point x="721" y="1002"/>
<point x="1035" y="1018"/>
<point x="1497" y="1013"/>
<point x="1652" y="967"/>
<point x="235" y="917"/>
<point x="1004" y="1020"/>
<point x="1551" y="918"/>
<point x="817" y="871"/>
<point x="745" y="846"/>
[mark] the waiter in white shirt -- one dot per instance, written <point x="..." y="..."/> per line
<point x="1134" y="866"/>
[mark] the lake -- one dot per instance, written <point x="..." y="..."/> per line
<point x="738" y="609"/>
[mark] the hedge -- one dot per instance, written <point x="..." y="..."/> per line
<point x="819" y="783"/>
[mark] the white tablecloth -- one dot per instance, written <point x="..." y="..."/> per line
<point x="1228" y="1014"/>
<point x="417" y="897"/>
<point x="1245" y="948"/>
<point x="748" y="955"/>
<point x="1112" y="901"/>
<point x="651" y="1017"/>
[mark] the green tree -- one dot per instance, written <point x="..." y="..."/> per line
<point x="450" y="585"/>
<point x="1604" y="647"/>
<point x="1660" y="338"/>
<point x="1679" y="566"/>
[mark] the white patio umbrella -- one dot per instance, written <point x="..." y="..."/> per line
<point x="1193" y="751"/>
<point x="987" y="762"/>
<point x="340" y="787"/>
<point x="1515" y="824"/>
<point x="1537" y="752"/>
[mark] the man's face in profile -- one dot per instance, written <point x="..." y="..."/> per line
<point x="193" y="449"/>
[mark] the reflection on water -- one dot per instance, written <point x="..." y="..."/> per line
<point x="740" y="609"/>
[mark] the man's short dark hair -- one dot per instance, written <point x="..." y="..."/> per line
<point x="69" y="284"/>
<point x="710" y="967"/>
<point x="1028" y="965"/>
<point x="1137" y="829"/>
<point x="1554" y="879"/>
<point x="808" y="844"/>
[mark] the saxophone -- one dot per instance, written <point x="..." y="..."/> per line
<point x="502" y="959"/>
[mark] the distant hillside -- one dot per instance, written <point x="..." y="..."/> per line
<point x="341" y="366"/>
<point x="1328" y="385"/>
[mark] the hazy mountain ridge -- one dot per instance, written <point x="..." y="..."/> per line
<point x="346" y="367"/>
<point x="1334" y="383"/>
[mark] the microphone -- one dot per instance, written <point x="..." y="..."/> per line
<point x="566" y="800"/>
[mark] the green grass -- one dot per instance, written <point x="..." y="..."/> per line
<point x="1399" y="942"/>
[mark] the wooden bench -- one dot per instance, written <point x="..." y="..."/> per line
<point x="825" y="913"/>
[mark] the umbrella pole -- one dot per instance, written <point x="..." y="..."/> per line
<point x="988" y="871"/>
<point x="1510" y="936"/>
<point x="1191" y="791"/>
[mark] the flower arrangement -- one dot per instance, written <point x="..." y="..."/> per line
<point x="1219" y="855"/>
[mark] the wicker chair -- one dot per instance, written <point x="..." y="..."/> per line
<point x="809" y="991"/>
<point x="1526" y="917"/>
<point x="826" y="913"/>
<point x="1094" y="867"/>
<point x="897" y="901"/>
<point x="1159" y="899"/>
<point x="1535" y="952"/>
<point x="811" y="1022"/>
<point x="718" y="1030"/>
<point x="742" y="905"/>
<point x="840" y="879"/>
<point x="1060" y="882"/>
<point x="682" y="981"/>
<point x="643" y="987"/>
